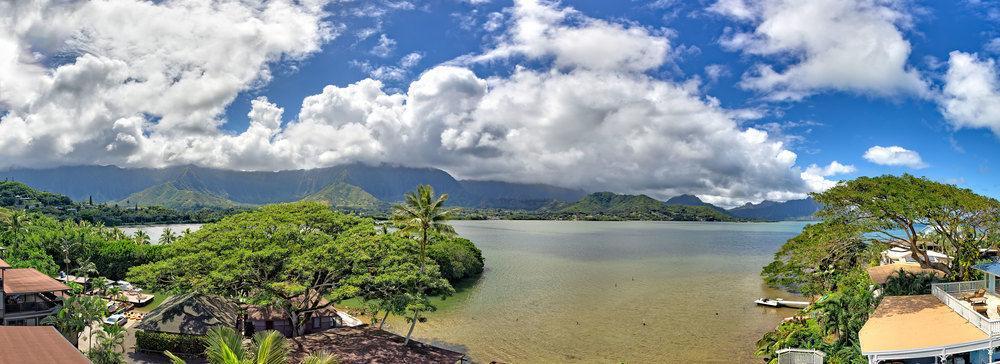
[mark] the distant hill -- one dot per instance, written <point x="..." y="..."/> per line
<point x="770" y="210"/>
<point x="170" y="196"/>
<point x="343" y="195"/>
<point x="520" y="196"/>
<point x="387" y="183"/>
<point x="638" y="207"/>
<point x="16" y="194"/>
<point x="692" y="200"/>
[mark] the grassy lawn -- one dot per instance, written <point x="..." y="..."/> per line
<point x="158" y="298"/>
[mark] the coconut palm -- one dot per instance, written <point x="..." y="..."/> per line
<point x="110" y="346"/>
<point x="225" y="346"/>
<point x="76" y="314"/>
<point x="141" y="237"/>
<point x="422" y="214"/>
<point x="15" y="226"/>
<point x="167" y="236"/>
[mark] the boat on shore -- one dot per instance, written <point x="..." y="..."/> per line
<point x="780" y="302"/>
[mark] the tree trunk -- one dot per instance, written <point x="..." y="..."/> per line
<point x="382" y="323"/>
<point x="416" y="313"/>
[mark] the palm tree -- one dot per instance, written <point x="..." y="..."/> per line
<point x="167" y="236"/>
<point x="15" y="226"/>
<point x="225" y="346"/>
<point x="422" y="213"/>
<point x="141" y="237"/>
<point x="110" y="346"/>
<point x="76" y="314"/>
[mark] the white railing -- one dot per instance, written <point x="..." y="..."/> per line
<point x="946" y="293"/>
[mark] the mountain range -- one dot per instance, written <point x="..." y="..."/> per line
<point x="369" y="187"/>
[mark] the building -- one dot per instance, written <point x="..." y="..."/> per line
<point x="180" y="323"/>
<point x="28" y="295"/>
<point x="37" y="344"/>
<point x="267" y="318"/>
<point x="959" y="322"/>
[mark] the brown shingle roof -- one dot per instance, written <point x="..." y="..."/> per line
<point x="37" y="344"/>
<point x="29" y="280"/>
<point x="3" y="264"/>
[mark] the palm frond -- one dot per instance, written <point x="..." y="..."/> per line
<point x="271" y="348"/>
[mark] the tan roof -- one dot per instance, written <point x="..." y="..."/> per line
<point x="29" y="280"/>
<point x="37" y="344"/>
<point x="3" y="264"/>
<point x="881" y="273"/>
<point x="915" y="322"/>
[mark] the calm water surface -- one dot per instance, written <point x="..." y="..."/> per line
<point x="638" y="292"/>
<point x="609" y="292"/>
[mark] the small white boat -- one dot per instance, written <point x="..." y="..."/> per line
<point x="779" y="302"/>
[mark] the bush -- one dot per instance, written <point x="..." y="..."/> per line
<point x="458" y="258"/>
<point x="114" y="258"/>
<point x="175" y="343"/>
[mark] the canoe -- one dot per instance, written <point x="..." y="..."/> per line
<point x="778" y="302"/>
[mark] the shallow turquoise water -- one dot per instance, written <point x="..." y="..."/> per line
<point x="562" y="291"/>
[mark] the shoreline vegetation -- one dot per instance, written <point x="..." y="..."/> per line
<point x="308" y="256"/>
<point x="861" y="218"/>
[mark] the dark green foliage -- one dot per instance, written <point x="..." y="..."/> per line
<point x="17" y="195"/>
<point x="907" y="284"/>
<point x="812" y="262"/>
<point x="114" y="258"/>
<point x="457" y="257"/>
<point x="175" y="343"/>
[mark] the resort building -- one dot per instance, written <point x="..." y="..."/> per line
<point x="266" y="318"/>
<point x="180" y="323"/>
<point x="958" y="322"/>
<point x="28" y="296"/>
<point x="37" y="344"/>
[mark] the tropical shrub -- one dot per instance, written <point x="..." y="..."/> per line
<point x="175" y="343"/>
<point x="458" y="258"/>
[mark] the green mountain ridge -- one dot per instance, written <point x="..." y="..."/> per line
<point x="170" y="196"/>
<point x="608" y="205"/>
<point x="345" y="195"/>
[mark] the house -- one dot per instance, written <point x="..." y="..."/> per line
<point x="28" y="295"/>
<point x="357" y="345"/>
<point x="183" y="320"/>
<point x="959" y="322"/>
<point x="37" y="344"/>
<point x="268" y="318"/>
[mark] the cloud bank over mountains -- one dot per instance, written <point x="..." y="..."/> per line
<point x="146" y="84"/>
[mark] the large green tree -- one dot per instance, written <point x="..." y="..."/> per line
<point x="893" y="209"/>
<point x="812" y="262"/>
<point x="422" y="214"/>
<point x="292" y="257"/>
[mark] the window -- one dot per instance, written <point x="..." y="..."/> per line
<point x="317" y="322"/>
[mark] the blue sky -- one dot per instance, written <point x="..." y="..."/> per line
<point x="885" y="74"/>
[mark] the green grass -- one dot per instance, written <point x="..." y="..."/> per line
<point x="158" y="298"/>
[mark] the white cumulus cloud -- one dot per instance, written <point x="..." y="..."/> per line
<point x="842" y="45"/>
<point x="596" y="118"/>
<point x="894" y="156"/>
<point x="971" y="94"/>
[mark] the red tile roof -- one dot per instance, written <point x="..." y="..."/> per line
<point x="29" y="280"/>
<point x="37" y="344"/>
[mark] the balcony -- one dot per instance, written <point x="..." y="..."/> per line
<point x="32" y="305"/>
<point x="955" y="294"/>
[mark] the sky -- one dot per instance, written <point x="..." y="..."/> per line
<point x="734" y="101"/>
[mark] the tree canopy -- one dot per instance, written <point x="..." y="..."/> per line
<point x="895" y="209"/>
